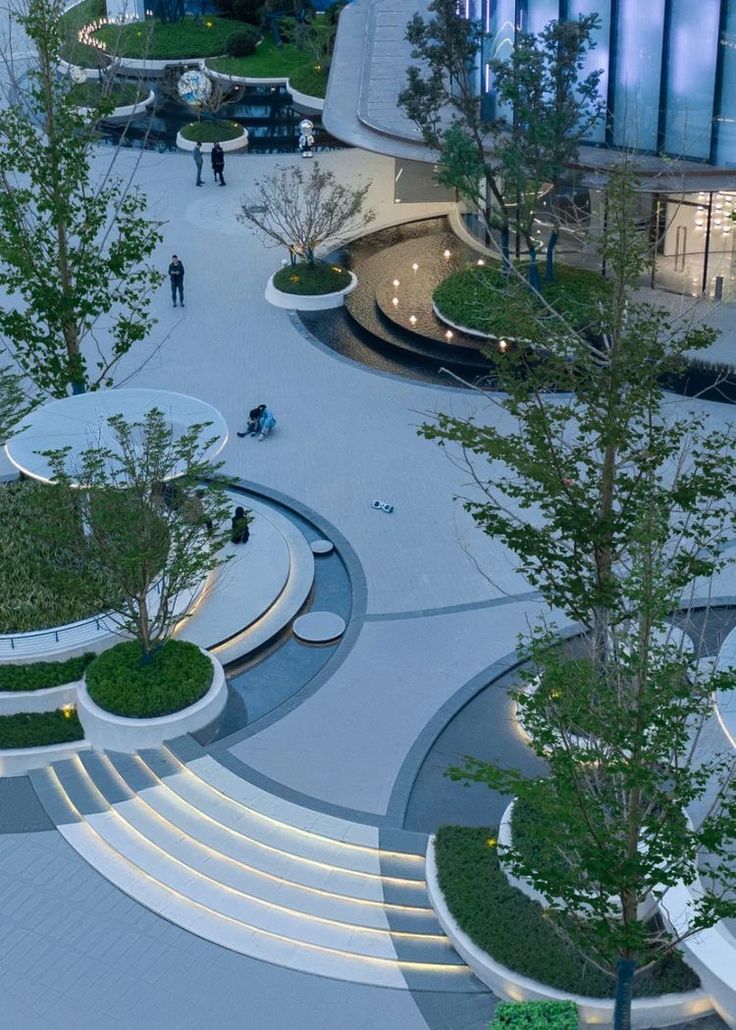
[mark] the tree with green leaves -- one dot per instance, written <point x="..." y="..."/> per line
<point x="74" y="246"/>
<point x="155" y="513"/>
<point x="501" y="165"/>
<point x="617" y="508"/>
<point x="14" y="402"/>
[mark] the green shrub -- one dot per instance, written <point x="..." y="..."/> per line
<point x="177" y="675"/>
<point x="211" y="132"/>
<point x="40" y="675"/>
<point x="243" y="42"/>
<point x="35" y="729"/>
<point x="305" y="280"/>
<point x="512" y="928"/>
<point x="536" y="1015"/>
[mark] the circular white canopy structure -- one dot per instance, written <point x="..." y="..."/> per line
<point x="82" y="421"/>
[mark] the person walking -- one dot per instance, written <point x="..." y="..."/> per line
<point x="176" y="276"/>
<point x="218" y="162"/>
<point x="197" y="155"/>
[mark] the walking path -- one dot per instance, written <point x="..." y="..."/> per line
<point x="77" y="951"/>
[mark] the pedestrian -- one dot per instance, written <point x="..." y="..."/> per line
<point x="218" y="162"/>
<point x="240" y="522"/>
<point x="197" y="155"/>
<point x="176" y="275"/>
<point x="265" y="423"/>
<point x="254" y="418"/>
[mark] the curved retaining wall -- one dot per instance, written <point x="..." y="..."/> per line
<point x="666" y="1010"/>
<point x="300" y="302"/>
<point x="126" y="111"/>
<point x="229" y="144"/>
<point x="106" y="731"/>
<point x="19" y="761"/>
<point x="12" y="702"/>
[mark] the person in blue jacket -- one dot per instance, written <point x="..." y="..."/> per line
<point x="266" y="423"/>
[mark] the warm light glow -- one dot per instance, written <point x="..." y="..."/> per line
<point x="447" y="254"/>
<point x="415" y="266"/>
<point x="68" y="710"/>
<point x="413" y="319"/>
<point x="502" y="345"/>
<point x="396" y="283"/>
<point x="480" y="261"/>
<point x="394" y="301"/>
<point x="448" y="334"/>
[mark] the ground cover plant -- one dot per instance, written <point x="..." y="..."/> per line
<point x="513" y="929"/>
<point x="310" y="80"/>
<point x="176" y="676"/>
<point x="477" y="297"/>
<point x="212" y="132"/>
<point x="36" y="729"/>
<point x="44" y="561"/>
<point x="307" y="279"/>
<point x="121" y="93"/>
<point x="41" y="675"/>
<point x="192" y="37"/>
<point x="535" y="1015"/>
<point x="268" y="62"/>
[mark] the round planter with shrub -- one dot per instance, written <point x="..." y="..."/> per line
<point x="230" y="135"/>
<point x="305" y="287"/>
<point x="243" y="42"/>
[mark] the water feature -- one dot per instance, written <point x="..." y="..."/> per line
<point x="267" y="112"/>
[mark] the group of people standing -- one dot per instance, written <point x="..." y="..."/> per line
<point x="218" y="162"/>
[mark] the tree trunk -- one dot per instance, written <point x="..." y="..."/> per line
<point x="549" y="272"/>
<point x="624" y="988"/>
<point x="534" y="269"/>
<point x="144" y="631"/>
<point x="505" y="253"/>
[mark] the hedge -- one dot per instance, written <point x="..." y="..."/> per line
<point x="40" y="675"/>
<point x="36" y="729"/>
<point x="512" y="928"/>
<point x="535" y="1015"/>
<point x="177" y="676"/>
<point x="306" y="280"/>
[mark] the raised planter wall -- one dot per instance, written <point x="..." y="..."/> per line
<point x="227" y="145"/>
<point x="12" y="702"/>
<point x="19" y="761"/>
<point x="666" y="1010"/>
<point x="313" y="302"/>
<point x="106" y="731"/>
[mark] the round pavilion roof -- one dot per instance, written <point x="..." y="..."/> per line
<point x="81" y="421"/>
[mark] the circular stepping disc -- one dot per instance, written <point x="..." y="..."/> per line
<point x="319" y="627"/>
<point x="322" y="546"/>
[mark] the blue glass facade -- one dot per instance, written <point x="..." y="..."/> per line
<point x="669" y="69"/>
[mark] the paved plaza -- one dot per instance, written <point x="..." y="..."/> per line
<point x="436" y="615"/>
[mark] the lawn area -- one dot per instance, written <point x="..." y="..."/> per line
<point x="309" y="80"/>
<point x="71" y="22"/>
<point x="477" y="297"/>
<point x="45" y="579"/>
<point x="177" y="675"/>
<point x="311" y="280"/>
<point x="267" y="62"/>
<point x="212" y="132"/>
<point x="512" y="928"/>
<point x="204" y="37"/>
<point x="121" y="94"/>
<point x="36" y="729"/>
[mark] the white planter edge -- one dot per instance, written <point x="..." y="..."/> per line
<point x="13" y="702"/>
<point x="666" y="1010"/>
<point x="314" y="302"/>
<point x="227" y="145"/>
<point x="106" y="731"/>
<point x="125" y="111"/>
<point x="19" y="761"/>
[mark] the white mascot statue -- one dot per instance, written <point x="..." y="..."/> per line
<point x="306" y="137"/>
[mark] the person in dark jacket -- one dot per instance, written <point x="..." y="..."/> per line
<point x="254" y="418"/>
<point x="197" y="155"/>
<point x="240" y="532"/>
<point x="218" y="162"/>
<point x="176" y="276"/>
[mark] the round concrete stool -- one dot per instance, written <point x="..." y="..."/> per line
<point x="318" y="627"/>
<point x="322" y="546"/>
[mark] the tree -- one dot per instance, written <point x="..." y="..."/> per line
<point x="14" y="403"/>
<point x="72" y="252"/>
<point x="615" y="510"/>
<point x="301" y="212"/>
<point x="497" y="166"/>
<point x="154" y="510"/>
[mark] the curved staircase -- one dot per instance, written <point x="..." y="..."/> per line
<point x="253" y="872"/>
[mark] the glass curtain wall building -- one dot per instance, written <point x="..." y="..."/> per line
<point x="669" y="86"/>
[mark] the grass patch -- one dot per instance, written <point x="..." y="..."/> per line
<point x="535" y="1015"/>
<point x="212" y="132"/>
<point x="40" y="675"/>
<point x="477" y="297"/>
<point x="307" y="79"/>
<point x="71" y="22"/>
<point x="268" y="62"/>
<point x="311" y="280"/>
<point x="121" y="94"/>
<point x="512" y="928"/>
<point x="45" y="578"/>
<point x="204" y="37"/>
<point x="36" y="729"/>
<point x="177" y="676"/>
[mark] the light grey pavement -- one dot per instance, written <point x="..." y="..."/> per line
<point x="77" y="953"/>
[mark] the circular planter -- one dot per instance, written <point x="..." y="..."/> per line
<point x="464" y="328"/>
<point x="302" y="101"/>
<point x="646" y="908"/>
<point x="103" y="730"/>
<point x="126" y="111"/>
<point x="227" y="145"/>
<point x="307" y="302"/>
<point x="666" y="1010"/>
